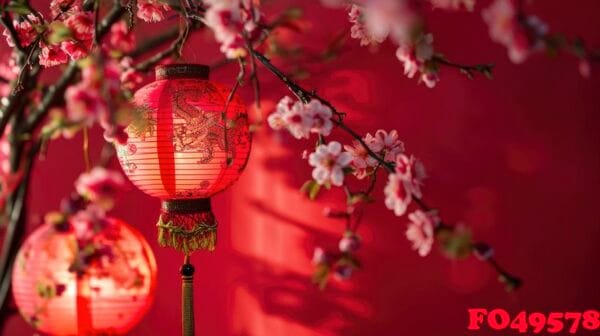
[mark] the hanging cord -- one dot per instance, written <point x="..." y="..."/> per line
<point x="86" y="149"/>
<point x="187" y="297"/>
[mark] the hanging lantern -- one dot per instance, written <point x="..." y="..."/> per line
<point x="82" y="277"/>
<point x="185" y="145"/>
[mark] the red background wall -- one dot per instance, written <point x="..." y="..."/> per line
<point x="516" y="158"/>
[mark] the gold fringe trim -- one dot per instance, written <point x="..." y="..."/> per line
<point x="202" y="237"/>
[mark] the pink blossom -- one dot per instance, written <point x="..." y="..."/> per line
<point x="76" y="49"/>
<point x="396" y="19"/>
<point x="25" y="29"/>
<point x="294" y="117"/>
<point x="103" y="78"/>
<point x="152" y="10"/>
<point x="420" y="231"/>
<point x="362" y="163"/>
<point x="84" y="104"/>
<point x="319" y="256"/>
<point x="234" y="22"/>
<point x="329" y="162"/>
<point x="85" y="221"/>
<point x="385" y="144"/>
<point x="430" y="79"/>
<point x="52" y="55"/>
<point x="131" y="78"/>
<point x="276" y="119"/>
<point x="519" y="35"/>
<point x="398" y="194"/>
<point x="404" y="184"/>
<point x="412" y="171"/>
<point x="301" y="119"/>
<point x="100" y="185"/>
<point x="81" y="25"/>
<point x="320" y="116"/>
<point x="350" y="243"/>
<point x="416" y="58"/>
<point x="121" y="38"/>
<point x="358" y="29"/>
<point x="406" y="55"/>
<point x="65" y="6"/>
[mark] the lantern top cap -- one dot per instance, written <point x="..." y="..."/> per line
<point x="179" y="71"/>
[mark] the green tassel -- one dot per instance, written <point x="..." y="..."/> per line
<point x="201" y="237"/>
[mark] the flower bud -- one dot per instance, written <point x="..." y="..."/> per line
<point x="349" y="243"/>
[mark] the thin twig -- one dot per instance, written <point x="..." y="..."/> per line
<point x="154" y="42"/>
<point x="305" y="96"/>
<point x="254" y="79"/>
<point x="468" y="70"/>
<point x="174" y="49"/>
<point x="238" y="81"/>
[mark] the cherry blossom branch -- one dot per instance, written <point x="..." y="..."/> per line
<point x="57" y="90"/>
<point x="468" y="70"/>
<point x="524" y="34"/>
<point x="511" y="281"/>
<point x="305" y="96"/>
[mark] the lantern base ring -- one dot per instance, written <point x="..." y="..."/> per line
<point x="187" y="225"/>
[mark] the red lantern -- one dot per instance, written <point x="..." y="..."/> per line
<point x="185" y="145"/>
<point x="75" y="278"/>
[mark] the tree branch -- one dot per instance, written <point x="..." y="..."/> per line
<point x="154" y="42"/>
<point x="174" y="49"/>
<point x="305" y="96"/>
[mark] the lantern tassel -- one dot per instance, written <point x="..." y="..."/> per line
<point x="187" y="225"/>
<point x="187" y="297"/>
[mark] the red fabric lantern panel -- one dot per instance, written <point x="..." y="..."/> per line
<point x="71" y="279"/>
<point x="185" y="145"/>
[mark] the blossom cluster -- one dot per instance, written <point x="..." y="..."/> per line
<point x="331" y="164"/>
<point x="84" y="215"/>
<point x="374" y="21"/>
<point x="521" y="35"/>
<point x="235" y="23"/>
<point x="69" y="36"/>
<point x="301" y="119"/>
<point x="96" y="99"/>
<point x="384" y="144"/>
<point x="152" y="10"/>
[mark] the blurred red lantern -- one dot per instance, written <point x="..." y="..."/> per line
<point x="186" y="143"/>
<point x="84" y="278"/>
